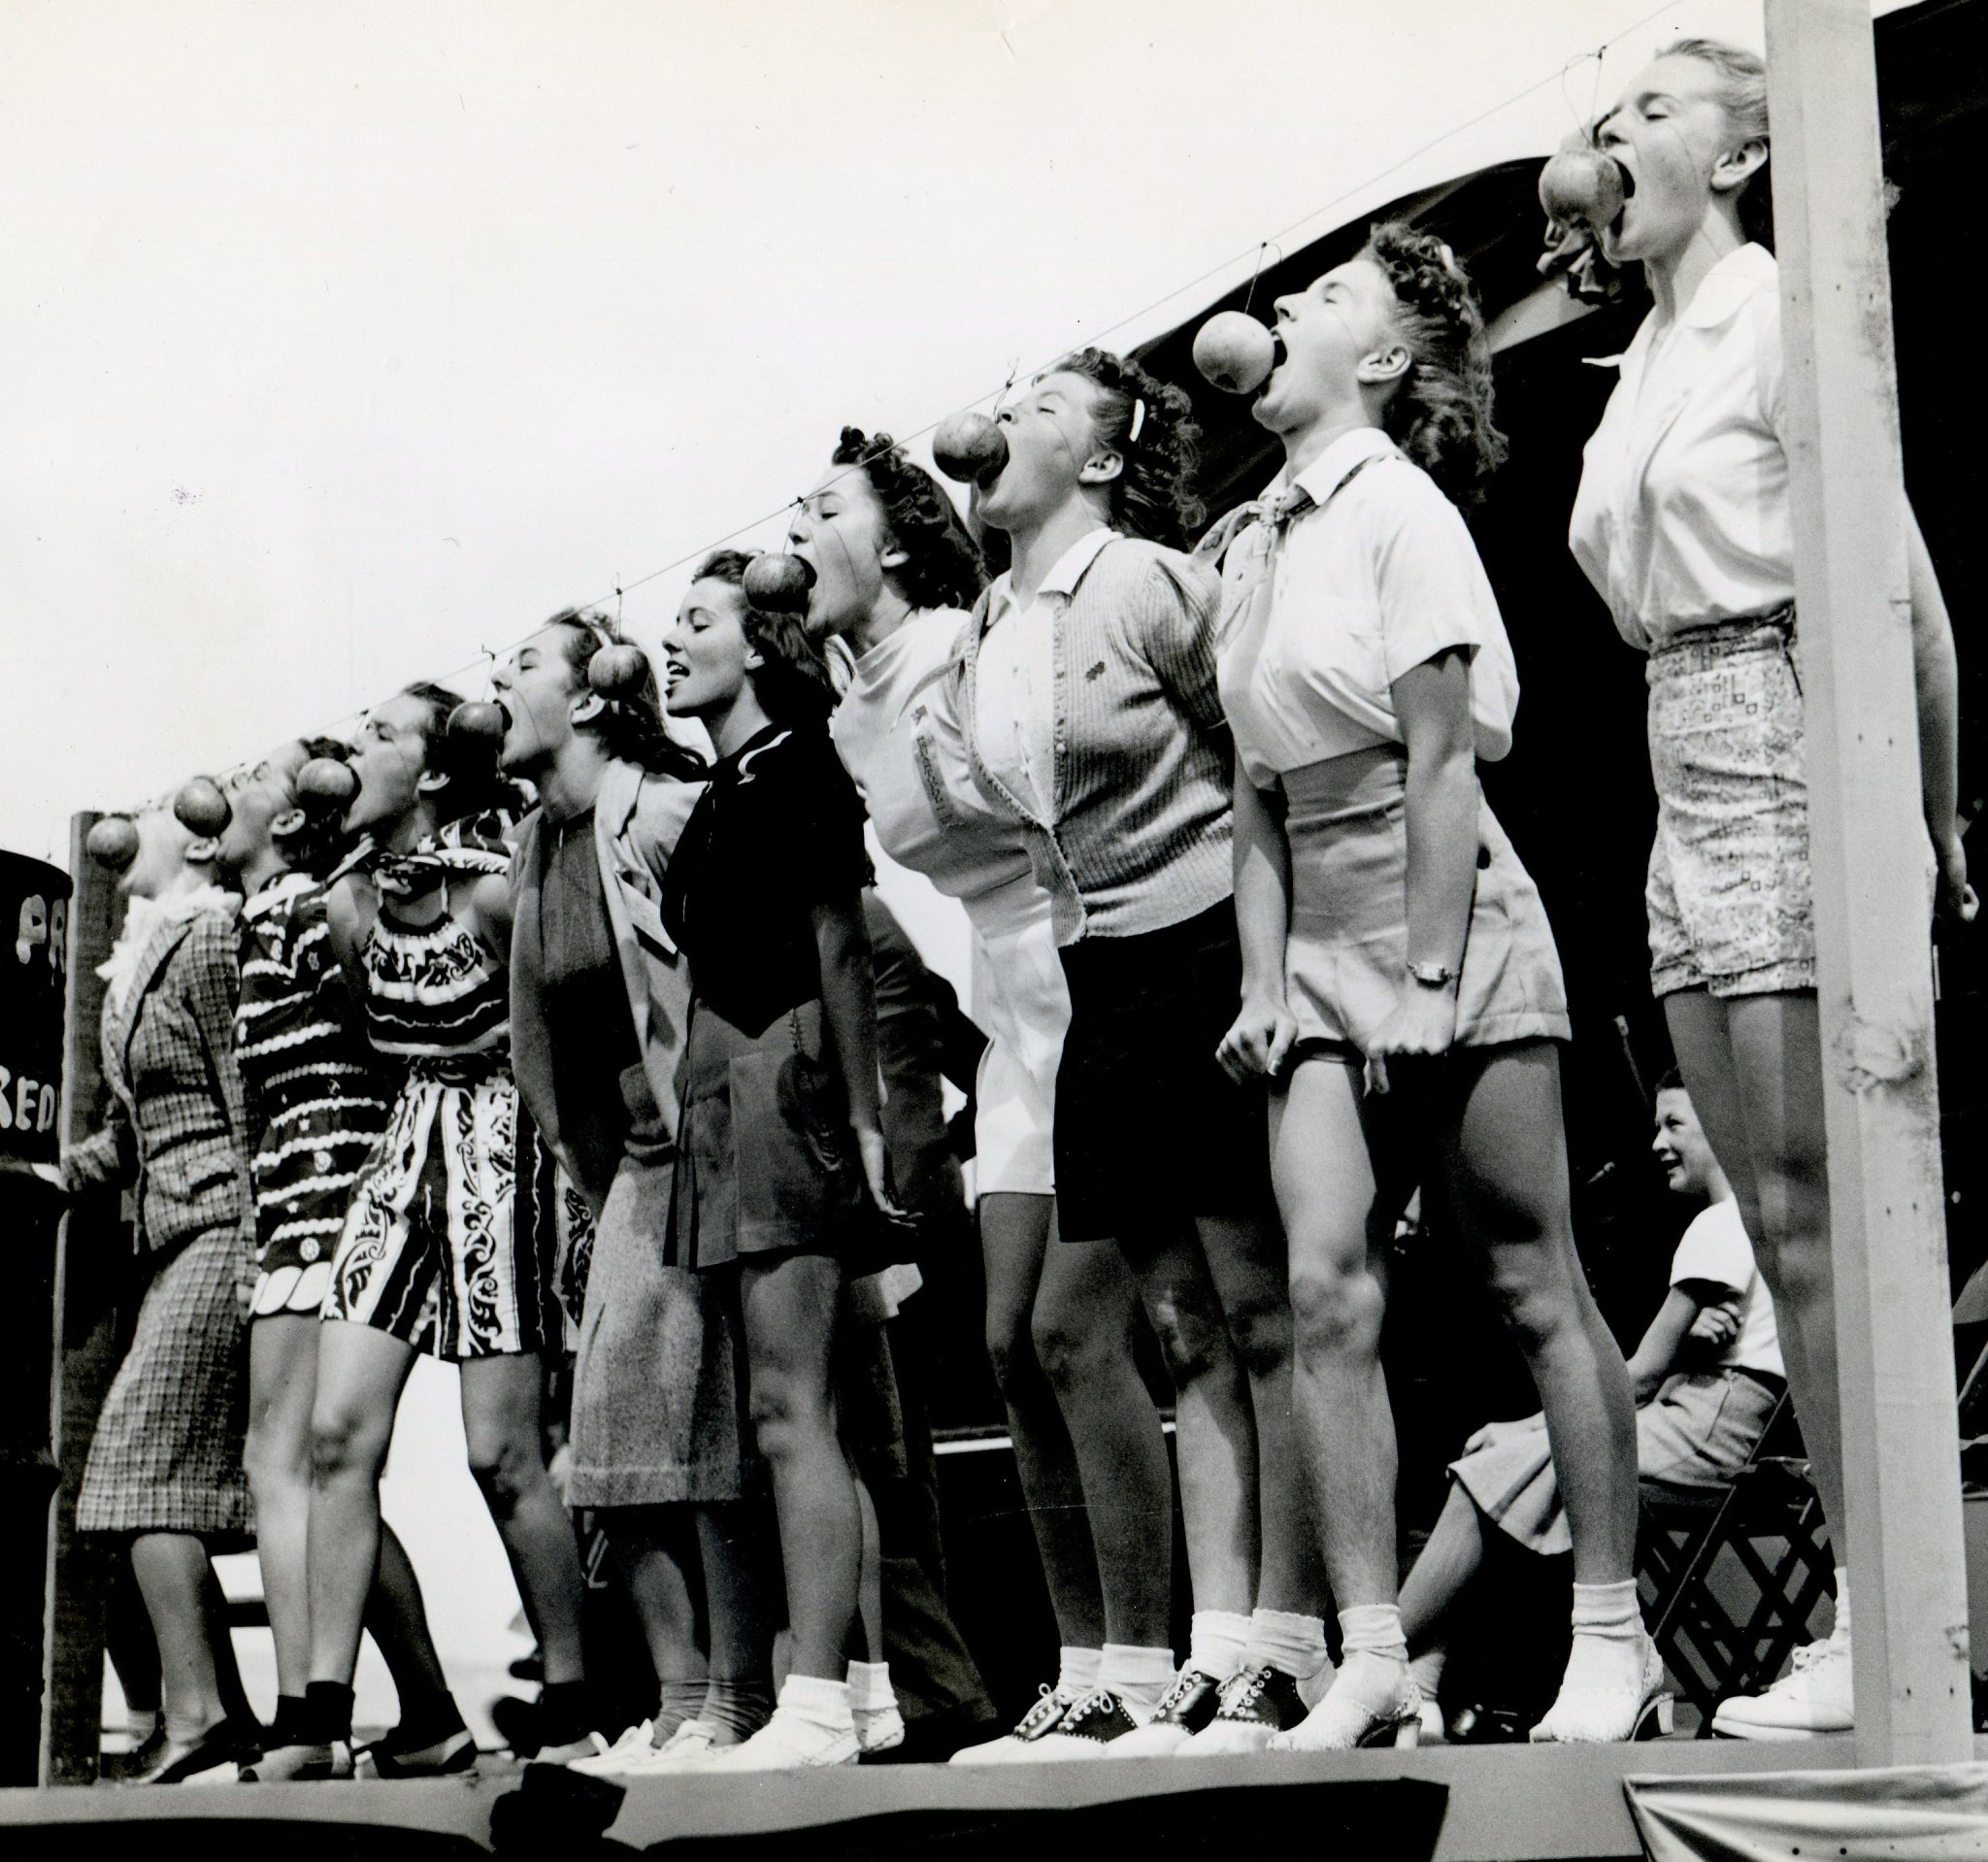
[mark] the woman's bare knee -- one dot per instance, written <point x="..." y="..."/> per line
<point x="506" y="1468"/>
<point x="346" y="1445"/>
<point x="1336" y="1311"/>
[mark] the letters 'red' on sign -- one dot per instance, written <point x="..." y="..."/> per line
<point x="34" y="943"/>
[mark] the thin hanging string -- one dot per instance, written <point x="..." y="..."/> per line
<point x="1097" y="337"/>
<point x="1267" y="246"/>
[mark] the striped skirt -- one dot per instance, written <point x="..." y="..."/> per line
<point x="450" y="1244"/>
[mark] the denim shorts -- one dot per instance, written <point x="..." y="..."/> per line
<point x="1728" y="897"/>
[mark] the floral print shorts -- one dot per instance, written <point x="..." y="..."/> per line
<point x="1728" y="897"/>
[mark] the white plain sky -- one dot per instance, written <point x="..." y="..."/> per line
<point x="346" y="338"/>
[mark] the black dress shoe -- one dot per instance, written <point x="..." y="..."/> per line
<point x="225" y="1744"/>
<point x="1190" y="1703"/>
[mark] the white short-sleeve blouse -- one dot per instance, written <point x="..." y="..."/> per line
<point x="1322" y="613"/>
<point x="1683" y="519"/>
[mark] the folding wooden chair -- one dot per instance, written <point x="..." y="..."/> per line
<point x="1684" y="1532"/>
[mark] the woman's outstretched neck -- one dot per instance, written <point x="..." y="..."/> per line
<point x="1037" y="549"/>
<point x="741" y="721"/>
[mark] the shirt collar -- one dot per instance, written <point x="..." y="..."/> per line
<point x="1323" y="475"/>
<point x="1730" y="284"/>
<point x="274" y="892"/>
<point x="765" y="738"/>
<point x="1064" y="573"/>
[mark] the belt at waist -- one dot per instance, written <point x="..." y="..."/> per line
<point x="1718" y="639"/>
<point x="460" y="1069"/>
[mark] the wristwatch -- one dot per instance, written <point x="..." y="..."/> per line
<point x="1433" y="976"/>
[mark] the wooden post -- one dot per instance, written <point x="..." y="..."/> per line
<point x="87" y="1349"/>
<point x="1894" y="1330"/>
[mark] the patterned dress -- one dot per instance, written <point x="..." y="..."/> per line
<point x="456" y="1208"/>
<point x="317" y="1095"/>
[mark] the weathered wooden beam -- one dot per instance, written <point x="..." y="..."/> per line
<point x="88" y="1344"/>
<point x="1893" y="1329"/>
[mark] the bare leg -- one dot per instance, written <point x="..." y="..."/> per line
<point x="1085" y="1320"/>
<point x="1448" y="1563"/>
<point x="1333" y="1214"/>
<point x="789" y="1304"/>
<point x="500" y="1420"/>
<point x="397" y="1617"/>
<point x="360" y="1374"/>
<point x="129" y="1642"/>
<point x="739" y="1590"/>
<point x="282" y="1384"/>
<point x="654" y="1551"/>
<point x="868" y="1574"/>
<point x="220" y="1642"/>
<point x="1753" y="1066"/>
<point x="1014" y="1243"/>
<point x="1247" y="1262"/>
<point x="173" y="1573"/>
<point x="1505" y="1167"/>
<point x="1214" y="1433"/>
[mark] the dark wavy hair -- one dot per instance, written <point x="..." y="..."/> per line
<point x="792" y="683"/>
<point x="1439" y="414"/>
<point x="631" y="729"/>
<point x="1154" y="495"/>
<point x="942" y="566"/>
<point x="476" y="784"/>
<point x="323" y="842"/>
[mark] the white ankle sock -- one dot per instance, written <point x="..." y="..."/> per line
<point x="1841" y="1631"/>
<point x="1215" y="1642"/>
<point x="1373" y="1654"/>
<point x="820" y="1703"/>
<point x="1610" y="1611"/>
<point x="1077" y="1674"/>
<point x="1605" y="1673"/>
<point x="870" y="1689"/>
<point x="1427" y="1669"/>
<point x="1286" y="1639"/>
<point x="1139" y="1677"/>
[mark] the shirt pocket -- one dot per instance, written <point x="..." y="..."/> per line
<point x="929" y="777"/>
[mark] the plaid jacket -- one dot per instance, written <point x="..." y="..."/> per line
<point x="176" y="1125"/>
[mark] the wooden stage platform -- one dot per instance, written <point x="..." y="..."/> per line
<point x="1505" y="1804"/>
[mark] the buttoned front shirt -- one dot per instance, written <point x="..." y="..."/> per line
<point x="1128" y="825"/>
<point x="1682" y="517"/>
<point x="1017" y="675"/>
<point x="1369" y="572"/>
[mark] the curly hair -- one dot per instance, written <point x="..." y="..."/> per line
<point x="942" y="566"/>
<point x="1439" y="413"/>
<point x="631" y="729"/>
<point x="1154" y="495"/>
<point x="1742" y="94"/>
<point x="792" y="682"/>
<point x="476" y="785"/>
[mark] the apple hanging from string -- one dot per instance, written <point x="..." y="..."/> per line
<point x="326" y="784"/>
<point x="778" y="584"/>
<point x="619" y="669"/>
<point x="480" y="723"/>
<point x="1583" y="186"/>
<point x="202" y="808"/>
<point x="1235" y="352"/>
<point x="969" y="448"/>
<point x="112" y="842"/>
